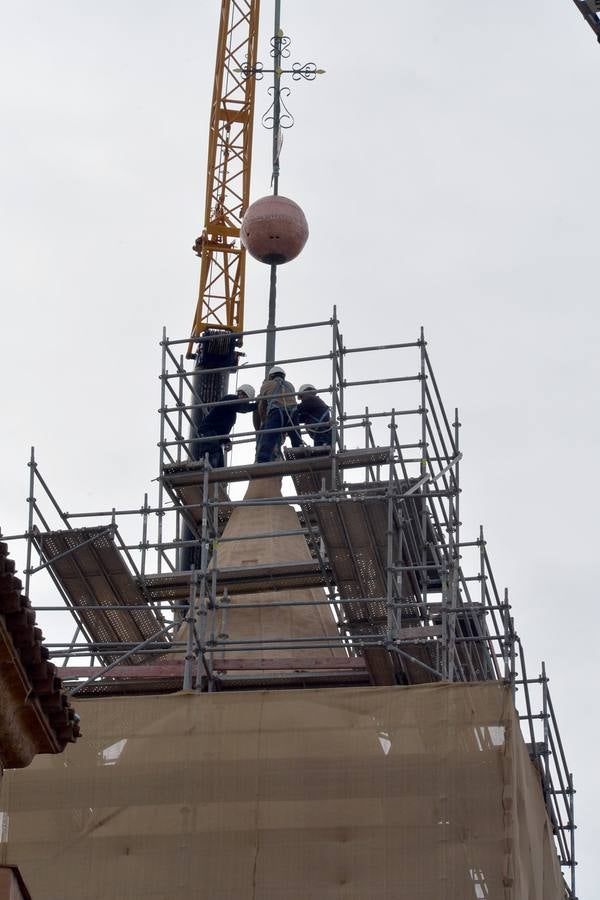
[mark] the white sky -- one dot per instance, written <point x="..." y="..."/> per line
<point x="447" y="164"/>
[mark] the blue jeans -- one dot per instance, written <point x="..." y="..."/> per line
<point x="268" y="446"/>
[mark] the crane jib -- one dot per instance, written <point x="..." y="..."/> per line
<point x="222" y="271"/>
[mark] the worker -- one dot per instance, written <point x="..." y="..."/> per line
<point x="219" y="422"/>
<point x="315" y="414"/>
<point x="276" y="410"/>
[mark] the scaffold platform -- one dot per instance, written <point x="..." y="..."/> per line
<point x="91" y="573"/>
<point x="239" y="580"/>
<point x="188" y="474"/>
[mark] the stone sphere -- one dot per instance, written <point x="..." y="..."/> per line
<point x="274" y="230"/>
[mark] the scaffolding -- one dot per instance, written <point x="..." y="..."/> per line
<point x="414" y="601"/>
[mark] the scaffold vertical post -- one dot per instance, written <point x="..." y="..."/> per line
<point x="190" y="620"/>
<point x="423" y="406"/>
<point x="30" y="505"/>
<point x="392" y="623"/>
<point x="452" y="584"/>
<point x="546" y="727"/>
<point x="572" y="833"/>
<point x="180" y="405"/>
<point x="367" y="443"/>
<point x="212" y="600"/>
<point x="223" y="633"/>
<point x="527" y="696"/>
<point x="163" y="376"/>
<point x="513" y="659"/>
<point x="178" y="537"/>
<point x="205" y="541"/>
<point x="444" y="638"/>
<point x="335" y="409"/>
<point x="506" y="641"/>
<point x="341" y="381"/>
<point x="481" y="543"/>
<point x="423" y="470"/>
<point x="456" y="479"/>
<point x="144" y="536"/>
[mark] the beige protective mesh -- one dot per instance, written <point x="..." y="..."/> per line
<point x="354" y="793"/>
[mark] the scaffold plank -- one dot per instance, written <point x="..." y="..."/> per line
<point x="347" y="557"/>
<point x="355" y="537"/>
<point x="179" y="475"/>
<point x="239" y="580"/>
<point x="190" y="494"/>
<point x="92" y="573"/>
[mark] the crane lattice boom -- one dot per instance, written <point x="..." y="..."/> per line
<point x="221" y="295"/>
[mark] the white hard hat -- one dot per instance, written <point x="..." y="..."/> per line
<point x="305" y="388"/>
<point x="276" y="370"/>
<point x="248" y="390"/>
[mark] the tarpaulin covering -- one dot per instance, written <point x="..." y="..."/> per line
<point x="367" y="793"/>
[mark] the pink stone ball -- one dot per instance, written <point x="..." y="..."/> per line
<point x="274" y="230"/>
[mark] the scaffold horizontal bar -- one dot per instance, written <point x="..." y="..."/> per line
<point x="175" y="669"/>
<point x="181" y="474"/>
<point x="201" y="338"/>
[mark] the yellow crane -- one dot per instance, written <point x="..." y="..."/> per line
<point x="223" y="258"/>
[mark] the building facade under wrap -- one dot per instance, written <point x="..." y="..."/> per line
<point x="412" y="793"/>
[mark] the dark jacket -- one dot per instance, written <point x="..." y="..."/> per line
<point x="312" y="410"/>
<point x="221" y="419"/>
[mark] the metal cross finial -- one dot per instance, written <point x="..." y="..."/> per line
<point x="278" y="116"/>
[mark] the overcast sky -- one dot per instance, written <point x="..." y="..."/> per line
<point x="447" y="164"/>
